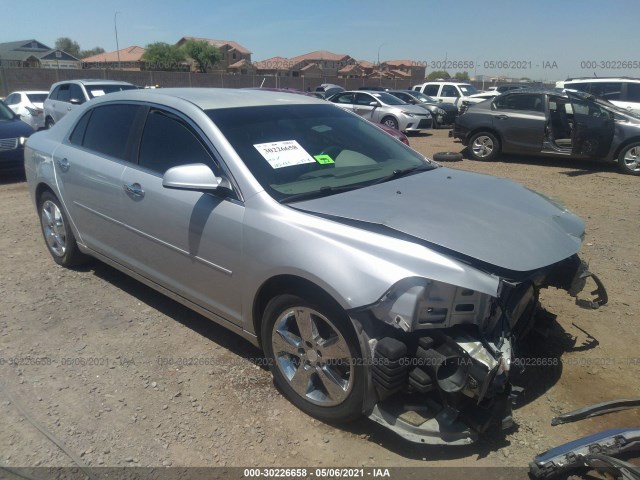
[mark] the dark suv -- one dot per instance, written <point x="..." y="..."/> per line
<point x="551" y="123"/>
<point x="64" y="96"/>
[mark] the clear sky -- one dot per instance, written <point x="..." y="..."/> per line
<point x="520" y="37"/>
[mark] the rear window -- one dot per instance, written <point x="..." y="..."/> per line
<point x="36" y="97"/>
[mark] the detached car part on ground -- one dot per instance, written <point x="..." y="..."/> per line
<point x="594" y="451"/>
<point x="300" y="226"/>
<point x="551" y="123"/>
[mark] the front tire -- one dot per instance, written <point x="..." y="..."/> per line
<point x="57" y="232"/>
<point x="390" y="122"/>
<point x="484" y="146"/>
<point x="314" y="355"/>
<point x="629" y="159"/>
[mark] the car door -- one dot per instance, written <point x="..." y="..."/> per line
<point x="187" y="241"/>
<point x="363" y="106"/>
<point x="593" y="128"/>
<point x="520" y="120"/>
<point x="449" y="94"/>
<point x="88" y="169"/>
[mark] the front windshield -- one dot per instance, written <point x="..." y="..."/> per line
<point x="99" y="90"/>
<point x="312" y="150"/>
<point x="387" y="98"/>
<point x="468" y="90"/>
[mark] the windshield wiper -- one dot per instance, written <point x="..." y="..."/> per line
<point x="402" y="172"/>
<point x="323" y="192"/>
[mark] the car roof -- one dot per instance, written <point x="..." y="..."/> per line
<point x="215" y="98"/>
<point x="90" y="81"/>
<point x="602" y="79"/>
<point x="28" y="91"/>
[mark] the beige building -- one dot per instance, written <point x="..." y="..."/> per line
<point x="232" y="53"/>
<point x="129" y="58"/>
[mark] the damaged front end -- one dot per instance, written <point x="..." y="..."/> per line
<point x="441" y="355"/>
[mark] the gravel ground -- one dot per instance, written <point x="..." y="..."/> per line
<point x="81" y="355"/>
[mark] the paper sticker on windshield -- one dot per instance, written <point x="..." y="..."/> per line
<point x="323" y="159"/>
<point x="97" y="93"/>
<point x="284" y="154"/>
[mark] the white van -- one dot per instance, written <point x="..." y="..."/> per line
<point x="621" y="91"/>
<point x="447" y="92"/>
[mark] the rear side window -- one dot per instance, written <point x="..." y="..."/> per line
<point x="107" y="130"/>
<point x="54" y="94"/>
<point x="168" y="142"/>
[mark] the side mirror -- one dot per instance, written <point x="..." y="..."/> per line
<point x="373" y="104"/>
<point x="75" y="101"/>
<point x="196" y="177"/>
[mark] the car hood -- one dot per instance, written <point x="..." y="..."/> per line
<point x="14" y="128"/>
<point x="471" y="216"/>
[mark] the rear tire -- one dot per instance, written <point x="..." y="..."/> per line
<point x="629" y="159"/>
<point x="484" y="146"/>
<point x="57" y="232"/>
<point x="314" y="354"/>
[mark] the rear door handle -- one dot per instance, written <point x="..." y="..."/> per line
<point x="502" y="117"/>
<point x="134" y="189"/>
<point x="63" y="164"/>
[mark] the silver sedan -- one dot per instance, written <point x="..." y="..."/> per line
<point x="376" y="282"/>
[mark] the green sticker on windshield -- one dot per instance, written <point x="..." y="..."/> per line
<point x="323" y="159"/>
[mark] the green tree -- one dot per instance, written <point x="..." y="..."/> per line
<point x="91" y="52"/>
<point x="162" y="56"/>
<point x="203" y="53"/>
<point x="67" y="45"/>
<point x="462" y="76"/>
<point x="438" y="74"/>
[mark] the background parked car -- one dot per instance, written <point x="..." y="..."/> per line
<point x="29" y="106"/>
<point x="382" y="107"/>
<point x="65" y="96"/>
<point x="441" y="113"/>
<point x="551" y="123"/>
<point x="327" y="89"/>
<point x="13" y="135"/>
<point x="623" y="92"/>
<point x="447" y="92"/>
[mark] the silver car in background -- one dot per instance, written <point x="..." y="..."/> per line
<point x="382" y="107"/>
<point x="29" y="105"/>
<point x="303" y="228"/>
<point x="67" y="95"/>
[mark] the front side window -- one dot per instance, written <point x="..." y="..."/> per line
<point x="37" y="97"/>
<point x="344" y="98"/>
<point x="167" y="142"/>
<point x="449" y="91"/>
<point x="364" y="99"/>
<point x="75" y="93"/>
<point x="305" y="151"/>
<point x="108" y="128"/>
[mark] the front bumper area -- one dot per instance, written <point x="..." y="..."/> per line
<point x="440" y="371"/>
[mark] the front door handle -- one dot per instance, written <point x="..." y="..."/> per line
<point x="502" y="117"/>
<point x="63" y="164"/>
<point x="134" y="189"/>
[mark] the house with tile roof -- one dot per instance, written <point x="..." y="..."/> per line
<point x="232" y="52"/>
<point x="408" y="69"/>
<point x="327" y="63"/>
<point x="129" y="58"/>
<point x="35" y="54"/>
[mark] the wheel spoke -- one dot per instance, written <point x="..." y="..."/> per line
<point x="333" y="383"/>
<point x="286" y="342"/>
<point x="306" y="325"/>
<point x="333" y="349"/>
<point x="302" y="378"/>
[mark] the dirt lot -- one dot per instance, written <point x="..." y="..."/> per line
<point x="81" y="355"/>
